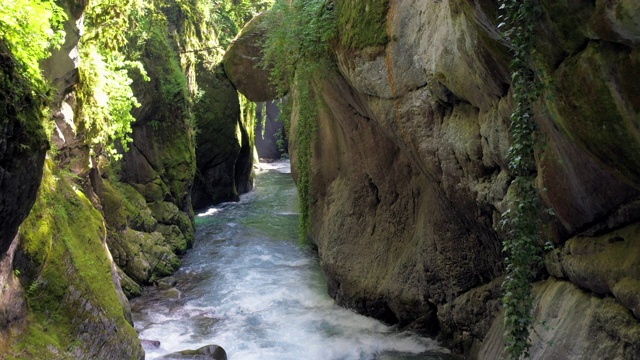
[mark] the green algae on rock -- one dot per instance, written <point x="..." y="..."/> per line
<point x="66" y="269"/>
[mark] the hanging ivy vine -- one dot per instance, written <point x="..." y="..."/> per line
<point x="297" y="50"/>
<point x="521" y="221"/>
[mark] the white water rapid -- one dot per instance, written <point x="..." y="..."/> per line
<point x="249" y="287"/>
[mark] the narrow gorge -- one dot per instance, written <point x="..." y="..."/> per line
<point x="397" y="118"/>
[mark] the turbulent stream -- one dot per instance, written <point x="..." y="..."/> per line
<point x="249" y="287"/>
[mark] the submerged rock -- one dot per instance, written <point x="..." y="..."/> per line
<point x="209" y="352"/>
<point x="166" y="283"/>
<point x="150" y="344"/>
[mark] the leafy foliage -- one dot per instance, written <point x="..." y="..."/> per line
<point x="31" y="29"/>
<point x="362" y="23"/>
<point x="297" y="50"/>
<point x="522" y="220"/>
<point x="104" y="93"/>
<point x="231" y="15"/>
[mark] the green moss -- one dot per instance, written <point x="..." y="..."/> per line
<point x="162" y="57"/>
<point x="123" y="206"/>
<point x="166" y="115"/>
<point x="362" y="24"/>
<point x="67" y="274"/>
<point x="19" y="104"/>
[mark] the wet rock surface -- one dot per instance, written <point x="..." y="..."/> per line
<point x="209" y="352"/>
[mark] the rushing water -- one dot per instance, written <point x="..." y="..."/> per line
<point x="248" y="287"/>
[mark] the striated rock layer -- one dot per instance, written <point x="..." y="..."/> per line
<point x="410" y="171"/>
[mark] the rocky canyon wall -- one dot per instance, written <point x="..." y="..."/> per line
<point x="101" y="227"/>
<point x="411" y="176"/>
<point x="410" y="171"/>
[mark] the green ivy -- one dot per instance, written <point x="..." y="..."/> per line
<point x="522" y="220"/>
<point x="297" y="50"/>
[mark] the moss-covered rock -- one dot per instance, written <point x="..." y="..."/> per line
<point x="74" y="308"/>
<point x="161" y="163"/>
<point x="23" y="144"/>
<point x="174" y="239"/>
<point x="605" y="265"/>
<point x="130" y="288"/>
<point x="156" y="174"/>
<point x="168" y="214"/>
<point x="224" y="152"/>
<point x="209" y="352"/>
<point x="124" y="207"/>
<point x="143" y="256"/>
<point x="362" y="23"/>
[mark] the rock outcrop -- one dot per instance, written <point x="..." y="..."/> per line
<point x="146" y="201"/>
<point x="242" y="63"/>
<point x="410" y="171"/>
<point x="224" y="149"/>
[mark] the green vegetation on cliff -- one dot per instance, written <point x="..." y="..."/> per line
<point x="28" y="32"/>
<point x="31" y="29"/>
<point x="231" y="16"/>
<point x="297" y="49"/>
<point x="104" y="93"/>
<point x="362" y="23"/>
<point x="522" y="220"/>
<point x="66" y="271"/>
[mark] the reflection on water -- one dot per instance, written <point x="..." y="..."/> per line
<point x="248" y="287"/>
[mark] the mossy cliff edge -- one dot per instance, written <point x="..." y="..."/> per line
<point x="410" y="171"/>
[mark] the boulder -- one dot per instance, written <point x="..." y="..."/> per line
<point x="209" y="352"/>
<point x="242" y="63"/>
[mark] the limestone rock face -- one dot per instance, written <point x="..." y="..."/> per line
<point x="242" y="63"/>
<point x="224" y="152"/>
<point x="575" y="324"/>
<point x="410" y="169"/>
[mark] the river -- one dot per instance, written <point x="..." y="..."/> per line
<point x="249" y="287"/>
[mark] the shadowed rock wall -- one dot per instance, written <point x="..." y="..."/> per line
<point x="411" y="169"/>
